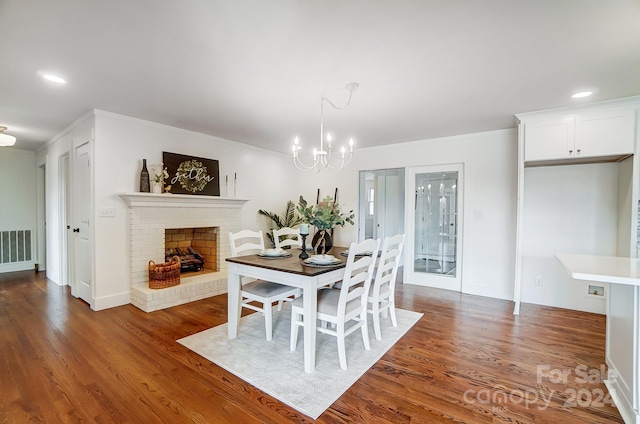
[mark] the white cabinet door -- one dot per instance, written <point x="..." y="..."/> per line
<point x="605" y="133"/>
<point x="549" y="139"/>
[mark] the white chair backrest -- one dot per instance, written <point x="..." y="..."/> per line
<point x="291" y="237"/>
<point x="358" y="274"/>
<point x="246" y="242"/>
<point x="388" y="263"/>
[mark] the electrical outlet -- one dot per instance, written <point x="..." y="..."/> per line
<point x="538" y="280"/>
<point x="596" y="290"/>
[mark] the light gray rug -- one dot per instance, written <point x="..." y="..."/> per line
<point x="274" y="369"/>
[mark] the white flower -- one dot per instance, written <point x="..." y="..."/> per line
<point x="158" y="178"/>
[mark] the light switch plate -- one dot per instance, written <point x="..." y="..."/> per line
<point x="107" y="212"/>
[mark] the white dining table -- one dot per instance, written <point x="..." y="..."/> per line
<point x="289" y="271"/>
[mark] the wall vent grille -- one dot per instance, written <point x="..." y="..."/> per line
<point x="15" y="246"/>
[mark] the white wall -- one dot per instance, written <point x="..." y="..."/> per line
<point x="18" y="197"/>
<point x="490" y="168"/>
<point x="567" y="209"/>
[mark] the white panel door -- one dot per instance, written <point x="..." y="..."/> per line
<point x="82" y="239"/>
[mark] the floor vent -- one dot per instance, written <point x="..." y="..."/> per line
<point x="15" y="246"/>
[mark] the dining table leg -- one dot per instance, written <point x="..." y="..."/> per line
<point x="310" y="306"/>
<point x="233" y="301"/>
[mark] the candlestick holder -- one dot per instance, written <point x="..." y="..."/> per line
<point x="303" y="254"/>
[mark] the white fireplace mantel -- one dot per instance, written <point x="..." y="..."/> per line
<point x="180" y="200"/>
<point x="150" y="215"/>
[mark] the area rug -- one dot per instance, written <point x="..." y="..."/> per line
<point x="274" y="369"/>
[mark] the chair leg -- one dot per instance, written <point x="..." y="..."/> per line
<point x="342" y="355"/>
<point x="392" y="311"/>
<point x="293" y="340"/>
<point x="279" y="305"/>
<point x="376" y="320"/>
<point x="268" y="320"/>
<point x="365" y="330"/>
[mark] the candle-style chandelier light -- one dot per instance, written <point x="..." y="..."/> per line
<point x="321" y="157"/>
<point x="6" y="139"/>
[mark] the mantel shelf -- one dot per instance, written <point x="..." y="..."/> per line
<point x="169" y="200"/>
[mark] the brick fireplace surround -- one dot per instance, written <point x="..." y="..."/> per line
<point x="149" y="216"/>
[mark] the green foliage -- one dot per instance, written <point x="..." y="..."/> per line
<point x="325" y="215"/>
<point x="290" y="218"/>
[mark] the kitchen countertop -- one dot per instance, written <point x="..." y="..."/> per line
<point x="606" y="269"/>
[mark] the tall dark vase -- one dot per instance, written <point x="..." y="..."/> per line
<point x="322" y="242"/>
<point x="144" y="178"/>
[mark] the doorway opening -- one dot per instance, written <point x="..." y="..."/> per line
<point x="381" y="211"/>
<point x="40" y="260"/>
<point x="66" y="245"/>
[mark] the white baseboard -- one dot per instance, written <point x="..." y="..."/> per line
<point x="16" y="266"/>
<point x="111" y="301"/>
<point x="625" y="407"/>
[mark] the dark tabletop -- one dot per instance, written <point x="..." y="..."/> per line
<point x="292" y="264"/>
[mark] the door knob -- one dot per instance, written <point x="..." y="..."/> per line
<point x="76" y="230"/>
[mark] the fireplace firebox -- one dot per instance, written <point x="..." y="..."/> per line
<point x="196" y="248"/>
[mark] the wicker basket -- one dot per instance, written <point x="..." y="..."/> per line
<point x="164" y="275"/>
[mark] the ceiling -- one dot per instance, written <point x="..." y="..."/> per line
<point x="254" y="71"/>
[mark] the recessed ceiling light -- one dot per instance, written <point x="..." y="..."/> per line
<point x="54" y="78"/>
<point x="582" y="94"/>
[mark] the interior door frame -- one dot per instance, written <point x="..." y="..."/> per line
<point x="64" y="202"/>
<point x="427" y="279"/>
<point x="40" y="258"/>
<point x="82" y="228"/>
<point x="380" y="206"/>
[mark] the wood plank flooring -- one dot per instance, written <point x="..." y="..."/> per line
<point x="468" y="360"/>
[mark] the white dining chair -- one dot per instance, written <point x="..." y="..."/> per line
<point x="339" y="307"/>
<point x="381" y="298"/>
<point x="264" y="292"/>
<point x="291" y="237"/>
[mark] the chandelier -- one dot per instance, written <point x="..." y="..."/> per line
<point x="6" y="139"/>
<point x="321" y="157"/>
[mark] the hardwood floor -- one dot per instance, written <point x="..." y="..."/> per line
<point x="468" y="360"/>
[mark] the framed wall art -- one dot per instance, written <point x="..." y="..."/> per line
<point x="192" y="175"/>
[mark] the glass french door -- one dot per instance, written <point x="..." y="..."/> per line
<point x="433" y="257"/>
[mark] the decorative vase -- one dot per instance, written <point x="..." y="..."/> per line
<point x="322" y="242"/>
<point x="144" y="178"/>
<point x="156" y="187"/>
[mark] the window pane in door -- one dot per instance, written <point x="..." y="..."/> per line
<point x="436" y="223"/>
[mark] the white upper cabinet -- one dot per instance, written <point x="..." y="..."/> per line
<point x="605" y="133"/>
<point x="592" y="133"/>
<point x="548" y="139"/>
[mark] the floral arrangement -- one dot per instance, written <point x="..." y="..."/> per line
<point x="325" y="215"/>
<point x="158" y="178"/>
